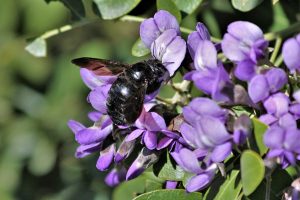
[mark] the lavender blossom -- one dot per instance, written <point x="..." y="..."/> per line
<point x="283" y="143"/>
<point x="291" y="53"/>
<point x="115" y="177"/>
<point x="242" y="129"/>
<point x="210" y="75"/>
<point x="152" y="28"/>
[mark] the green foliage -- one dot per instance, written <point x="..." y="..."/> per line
<point x="170" y="6"/>
<point x="111" y="9"/>
<point x="139" y="49"/>
<point x="245" y="5"/>
<point x="252" y="171"/>
<point x="187" y="6"/>
<point x="259" y="130"/>
<point x="225" y="189"/>
<point x="169" y="195"/>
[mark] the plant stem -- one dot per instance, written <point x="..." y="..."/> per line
<point x="276" y="49"/>
<point x="268" y="187"/>
<point x="283" y="33"/>
<point x="278" y="60"/>
<point x="65" y="28"/>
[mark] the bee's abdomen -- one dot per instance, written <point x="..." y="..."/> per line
<point x="125" y="101"/>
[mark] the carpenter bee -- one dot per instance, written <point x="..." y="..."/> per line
<point x="127" y="93"/>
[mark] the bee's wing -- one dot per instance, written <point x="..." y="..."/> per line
<point x="101" y="67"/>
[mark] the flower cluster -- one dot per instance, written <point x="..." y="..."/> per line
<point x="208" y="131"/>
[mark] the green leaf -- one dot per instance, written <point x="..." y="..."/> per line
<point x="231" y="188"/>
<point x="129" y="189"/>
<point x="259" y="130"/>
<point x="168" y="172"/>
<point x="76" y="7"/>
<point x="245" y="5"/>
<point x="187" y="6"/>
<point x="169" y="6"/>
<point x="177" y="194"/>
<point x="151" y="185"/>
<point x="37" y="47"/>
<point x="43" y="158"/>
<point x="252" y="171"/>
<point x="139" y="49"/>
<point x="111" y="9"/>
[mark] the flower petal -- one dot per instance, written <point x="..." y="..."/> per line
<point x="149" y="32"/>
<point x="245" y="70"/>
<point x="106" y="157"/>
<point x="75" y="126"/>
<point x="189" y="161"/>
<point x="92" y="135"/>
<point x="84" y="150"/>
<point x="221" y="152"/>
<point x="258" y="88"/>
<point x="276" y="78"/>
<point x="150" y="140"/>
<point x="206" y="55"/>
<point x="198" y="182"/>
<point x="134" y="134"/>
<point x="274" y="137"/>
<point x="165" y="21"/>
<point x="98" y="96"/>
<point x="291" y="54"/>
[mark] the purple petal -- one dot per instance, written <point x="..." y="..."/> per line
<point x="149" y="32"/>
<point x="134" y="134"/>
<point x="287" y="121"/>
<point x="150" y="140"/>
<point x="75" y="126"/>
<point x="291" y="140"/>
<point x="164" y="142"/>
<point x="93" y="81"/>
<point x="211" y="131"/>
<point x="242" y="129"/>
<point x="245" y="70"/>
<point x="171" y="185"/>
<point x="84" y="150"/>
<point x="165" y="21"/>
<point x="152" y="121"/>
<point x="276" y="78"/>
<point x="95" y="116"/>
<point x="268" y="119"/>
<point x="231" y="48"/>
<point x="206" y="55"/>
<point x="115" y="177"/>
<point x="189" y="161"/>
<point x="188" y="133"/>
<point x="277" y="104"/>
<point x="124" y="150"/>
<point x="106" y="157"/>
<point x="98" y="96"/>
<point x="159" y="46"/>
<point x="221" y="152"/>
<point x="291" y="54"/>
<point x="174" y="55"/>
<point x="274" y="137"/>
<point x="295" y="109"/>
<point x="245" y="30"/>
<point x="258" y="88"/>
<point x="92" y="135"/>
<point x="296" y="96"/>
<point x="204" y="80"/>
<point x="198" y="182"/>
<point x="195" y="37"/>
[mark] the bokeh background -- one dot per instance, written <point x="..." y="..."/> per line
<point x="39" y="95"/>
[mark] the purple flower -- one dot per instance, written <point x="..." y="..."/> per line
<point x="115" y="177"/>
<point x="149" y="124"/>
<point x="189" y="161"/>
<point x="83" y="150"/>
<point x="242" y="128"/>
<point x="262" y="85"/>
<point x="152" y="28"/>
<point x="98" y="96"/>
<point x="145" y="159"/>
<point x="244" y="41"/>
<point x="171" y="185"/>
<point x="170" y="49"/>
<point x="291" y="53"/>
<point x="124" y="150"/>
<point x="195" y="37"/>
<point x="204" y="130"/>
<point x="210" y="75"/>
<point x="106" y="157"/>
<point x="283" y="144"/>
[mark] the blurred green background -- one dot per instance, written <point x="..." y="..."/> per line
<point x="39" y="95"/>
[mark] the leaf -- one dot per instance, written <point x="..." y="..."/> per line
<point x="177" y="194"/>
<point x="168" y="172"/>
<point x="76" y="7"/>
<point x="129" y="189"/>
<point x="111" y="9"/>
<point x="245" y="5"/>
<point x="43" y="157"/>
<point x="259" y="130"/>
<point x="170" y="6"/>
<point x="252" y="171"/>
<point x="139" y="49"/>
<point x="231" y="188"/>
<point x="37" y="48"/>
<point x="187" y="6"/>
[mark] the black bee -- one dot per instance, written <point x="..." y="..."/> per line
<point x="126" y="95"/>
